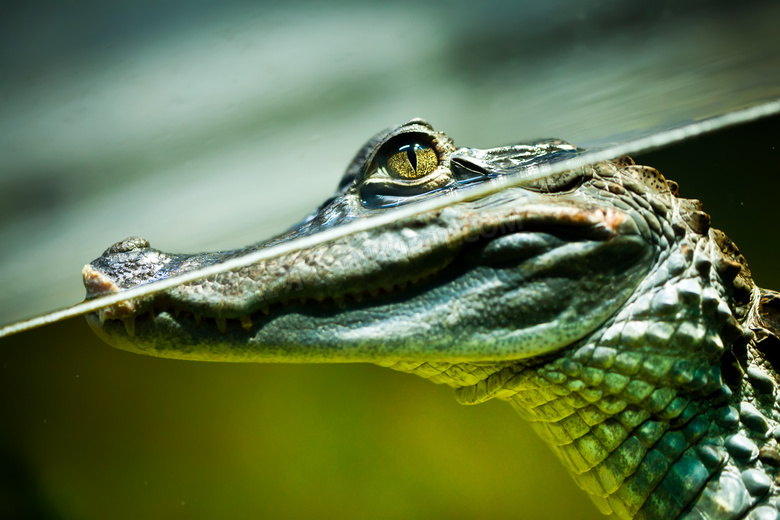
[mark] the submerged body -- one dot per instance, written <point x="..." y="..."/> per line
<point x="596" y="301"/>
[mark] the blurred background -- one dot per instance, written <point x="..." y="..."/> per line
<point x="209" y="125"/>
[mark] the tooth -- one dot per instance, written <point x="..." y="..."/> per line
<point x="266" y="309"/>
<point x="221" y="324"/>
<point x="340" y="301"/>
<point x="102" y="315"/>
<point x="373" y="292"/>
<point x="358" y="297"/>
<point x="129" y="325"/>
<point x="246" y="322"/>
<point x="320" y="298"/>
<point x="302" y="299"/>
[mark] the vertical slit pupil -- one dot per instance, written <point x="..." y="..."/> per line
<point x="411" y="154"/>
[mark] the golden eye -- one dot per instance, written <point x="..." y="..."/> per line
<point x="404" y="167"/>
<point x="412" y="161"/>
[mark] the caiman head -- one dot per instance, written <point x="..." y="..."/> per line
<point x="522" y="272"/>
<point x="597" y="301"/>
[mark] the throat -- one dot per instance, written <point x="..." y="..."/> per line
<point x="651" y="433"/>
<point x="632" y="420"/>
<point x="625" y="440"/>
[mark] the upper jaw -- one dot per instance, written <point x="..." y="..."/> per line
<point x="488" y="285"/>
<point x="365" y="263"/>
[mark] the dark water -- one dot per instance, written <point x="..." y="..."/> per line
<point x="736" y="174"/>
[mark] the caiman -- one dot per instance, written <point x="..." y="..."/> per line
<point x="597" y="301"/>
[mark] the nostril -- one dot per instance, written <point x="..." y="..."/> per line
<point x="126" y="245"/>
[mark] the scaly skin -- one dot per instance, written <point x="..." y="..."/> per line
<point x="597" y="302"/>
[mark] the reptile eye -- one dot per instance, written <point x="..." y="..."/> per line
<point x="412" y="161"/>
<point x="404" y="168"/>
